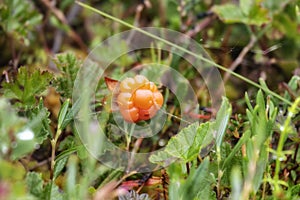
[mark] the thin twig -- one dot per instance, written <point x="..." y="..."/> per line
<point x="200" y="26"/>
<point x="240" y="58"/>
<point x="53" y="149"/>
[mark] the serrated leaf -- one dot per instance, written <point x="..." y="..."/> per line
<point x="27" y="86"/>
<point x="40" y="122"/>
<point x="18" y="18"/>
<point x="188" y="142"/>
<point x="162" y="158"/>
<point x="68" y="65"/>
<point x="35" y="183"/>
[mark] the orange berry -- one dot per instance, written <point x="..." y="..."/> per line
<point x="145" y="114"/>
<point x="140" y="81"/>
<point x="138" y="99"/>
<point x="127" y="85"/>
<point x="143" y="99"/>
<point x="152" y="87"/>
<point x="130" y="115"/>
<point x="158" y="99"/>
<point x="124" y="100"/>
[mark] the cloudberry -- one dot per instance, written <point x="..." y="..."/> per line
<point x="138" y="99"/>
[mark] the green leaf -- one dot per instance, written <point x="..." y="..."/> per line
<point x="162" y="158"/>
<point x="27" y="86"/>
<point x="34" y="183"/>
<point x="68" y="152"/>
<point x="25" y="143"/>
<point x="11" y="171"/>
<point x="246" y="6"/>
<point x="68" y="65"/>
<point x="221" y="122"/>
<point x="67" y="143"/>
<point x="71" y="178"/>
<point x="39" y="122"/>
<point x="14" y="127"/>
<point x="51" y="192"/>
<point x="62" y="113"/>
<point x="295" y="191"/>
<point x="187" y="144"/>
<point x="59" y="166"/>
<point x="11" y="124"/>
<point x="260" y="168"/>
<point x="286" y="25"/>
<point x="72" y="112"/>
<point x="175" y="175"/>
<point x="236" y="148"/>
<point x="293" y="84"/>
<point x="18" y="19"/>
<point x="248" y="13"/>
<point x="114" y="174"/>
<point x="236" y="183"/>
<point x="258" y="16"/>
<point x="230" y="13"/>
<point x="196" y="181"/>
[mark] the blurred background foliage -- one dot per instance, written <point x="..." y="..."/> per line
<point x="43" y="44"/>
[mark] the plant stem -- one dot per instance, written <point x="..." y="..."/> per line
<point x="53" y="148"/>
<point x="186" y="51"/>
<point x="220" y="173"/>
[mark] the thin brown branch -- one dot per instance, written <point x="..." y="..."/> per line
<point x="240" y="58"/>
<point x="200" y="26"/>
